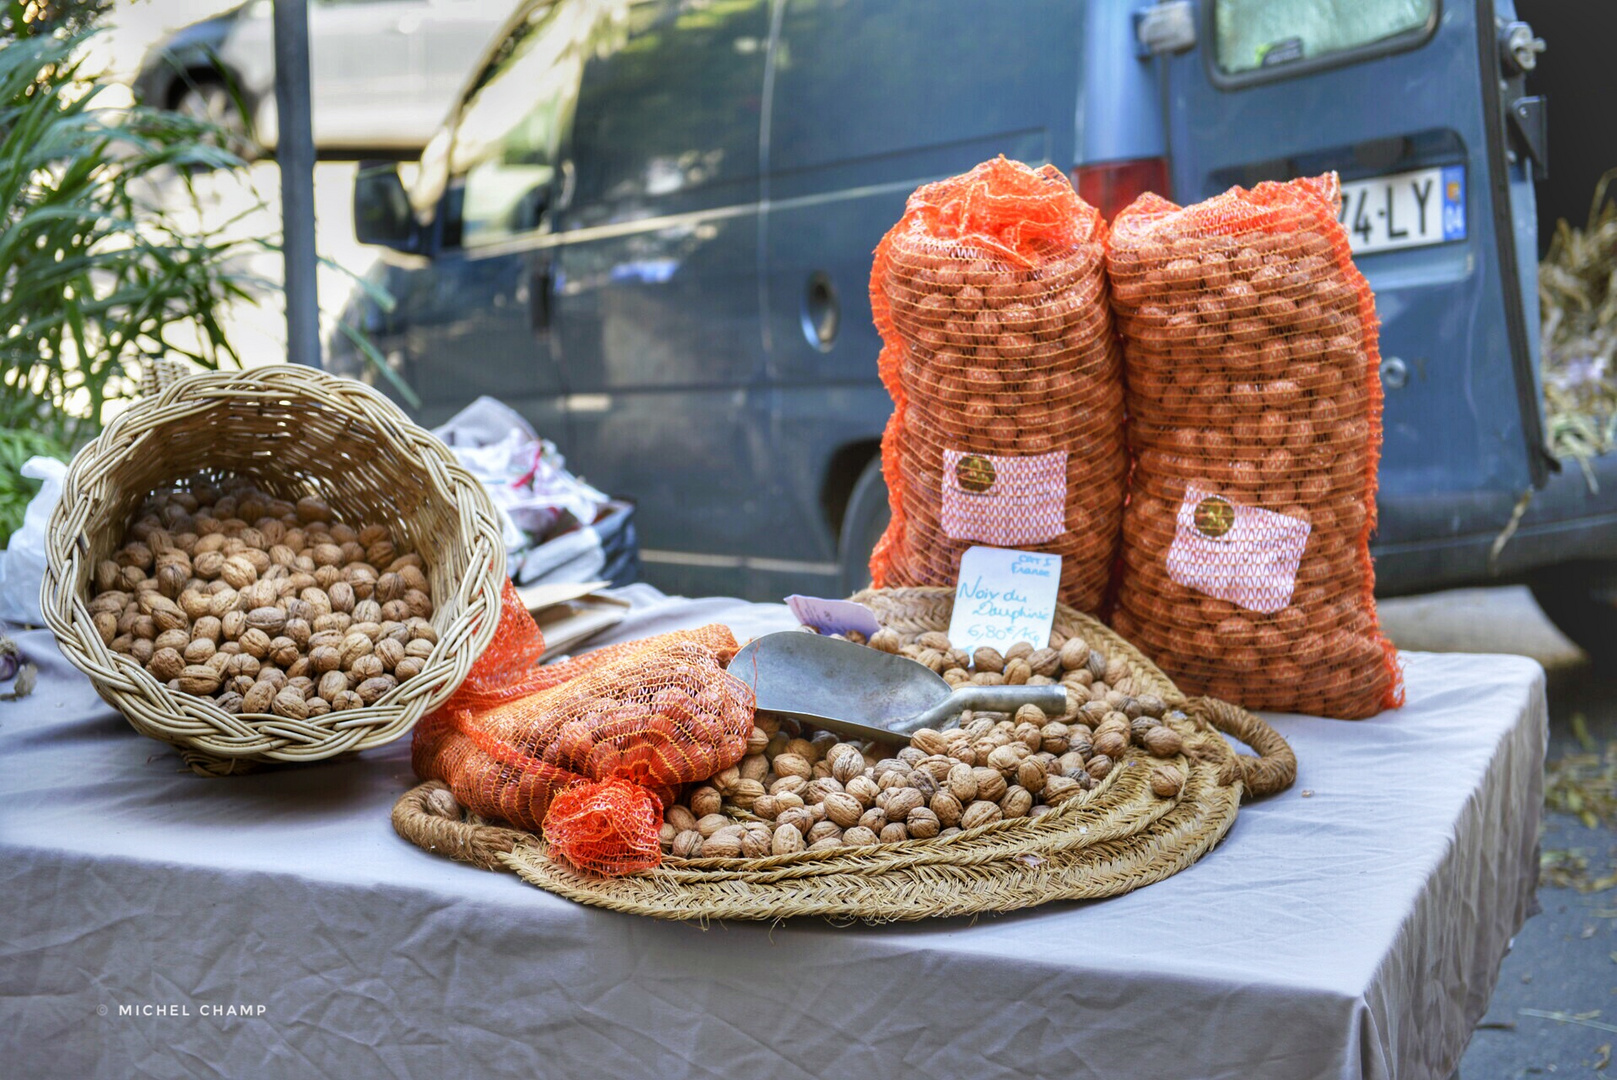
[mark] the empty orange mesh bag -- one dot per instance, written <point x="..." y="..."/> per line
<point x="1006" y="377"/>
<point x="1251" y="357"/>
<point x="592" y="750"/>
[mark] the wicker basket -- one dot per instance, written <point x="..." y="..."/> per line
<point x="296" y="431"/>
<point x="1113" y="839"/>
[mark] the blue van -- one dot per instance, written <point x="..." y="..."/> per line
<point x="648" y="224"/>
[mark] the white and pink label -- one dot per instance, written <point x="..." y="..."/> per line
<point x="1004" y="501"/>
<point x="1236" y="553"/>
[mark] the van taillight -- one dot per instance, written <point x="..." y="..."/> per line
<point x="1111" y="185"/>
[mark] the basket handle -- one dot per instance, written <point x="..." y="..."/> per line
<point x="1275" y="767"/>
<point x="419" y="817"/>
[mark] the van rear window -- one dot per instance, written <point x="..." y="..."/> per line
<point x="1254" y="34"/>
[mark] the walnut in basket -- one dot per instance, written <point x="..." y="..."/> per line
<point x="266" y="606"/>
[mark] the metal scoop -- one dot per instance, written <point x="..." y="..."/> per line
<point x="864" y="693"/>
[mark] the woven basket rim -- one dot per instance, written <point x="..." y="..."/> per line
<point x="213" y="741"/>
<point x="1118" y="837"/>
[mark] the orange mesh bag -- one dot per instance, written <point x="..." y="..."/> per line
<point x="1255" y="423"/>
<point x="1005" y="373"/>
<point x="589" y="751"/>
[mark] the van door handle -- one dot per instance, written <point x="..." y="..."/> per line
<point x="540" y="278"/>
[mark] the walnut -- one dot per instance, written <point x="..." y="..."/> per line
<point x="198" y="679"/>
<point x="987" y="659"/>
<point x="390" y="652"/>
<point x="259" y="697"/>
<point x="858" y="836"/>
<point x="946" y="808"/>
<point x="793" y="765"/>
<point x="1058" y="789"/>
<point x="198" y="652"/>
<point x="892" y="833"/>
<point x="887" y="641"/>
<point x="785" y="840"/>
<point x="745" y="793"/>
<point x="331" y="684"/>
<point x="1167" y="781"/>
<point x="1111" y="742"/>
<point x="990" y="783"/>
<point x="283" y="653"/>
<point x="409" y="668"/>
<point x="898" y="802"/>
<point x="1163" y="741"/>
<point x="1098" y="767"/>
<point x="798" y="817"/>
<point x="687" y="845"/>
<point x="1017" y="672"/>
<point x="165" y="664"/>
<point x="922" y="822"/>
<point x="1016" y="802"/>
<point x="365" y="667"/>
<point x="172" y="639"/>
<point x="372" y="689"/>
<point x="843" y="809"/>
<point x="268" y="619"/>
<point x="237" y="572"/>
<point x="862" y="788"/>
<point x="981" y="812"/>
<point x="354" y="645"/>
<point x="346" y="700"/>
<point x="705" y="801"/>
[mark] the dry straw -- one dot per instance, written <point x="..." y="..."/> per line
<point x="1113" y="839"/>
<point x="297" y="432"/>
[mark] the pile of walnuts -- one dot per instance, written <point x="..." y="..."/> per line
<point x="266" y="606"/>
<point x="804" y="789"/>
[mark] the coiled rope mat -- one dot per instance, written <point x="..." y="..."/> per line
<point x="1107" y="841"/>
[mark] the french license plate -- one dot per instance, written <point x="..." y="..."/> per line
<point x="1404" y="210"/>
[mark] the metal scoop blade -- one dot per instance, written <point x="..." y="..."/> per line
<point x="864" y="693"/>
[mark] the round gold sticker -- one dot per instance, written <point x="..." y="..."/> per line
<point x="974" y="473"/>
<point x="1214" y="517"/>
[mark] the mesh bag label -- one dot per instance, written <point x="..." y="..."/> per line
<point x="1236" y="553"/>
<point x="1004" y="501"/>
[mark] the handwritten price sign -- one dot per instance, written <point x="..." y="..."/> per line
<point x="1004" y="597"/>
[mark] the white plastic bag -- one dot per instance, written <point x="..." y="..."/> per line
<point x="22" y="564"/>
<point x="525" y="475"/>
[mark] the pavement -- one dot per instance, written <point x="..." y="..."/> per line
<point x="1554" y="1012"/>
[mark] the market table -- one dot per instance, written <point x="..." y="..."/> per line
<point x="160" y="924"/>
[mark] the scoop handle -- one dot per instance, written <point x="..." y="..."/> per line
<point x="1051" y="699"/>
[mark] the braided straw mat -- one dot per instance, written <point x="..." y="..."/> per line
<point x="1109" y="840"/>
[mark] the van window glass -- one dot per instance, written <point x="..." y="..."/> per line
<point x="1252" y="34"/>
<point x="668" y="112"/>
<point x="511" y="124"/>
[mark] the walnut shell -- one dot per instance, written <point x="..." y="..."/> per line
<point x="372" y="689"/>
<point x="981" y="812"/>
<point x="785" y="840"/>
<point x="987" y="659"/>
<point x="1167" y="781"/>
<point x="198" y="679"/>
<point x="843" y="809"/>
<point x="990" y="783"/>
<point x="1016" y="802"/>
<point x="166" y="664"/>
<point x="408" y="668"/>
<point x="859" y="836"/>
<point x="922" y="823"/>
<point x="1163" y="741"/>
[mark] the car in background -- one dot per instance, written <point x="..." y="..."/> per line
<point x="648" y="225"/>
<point x="382" y="73"/>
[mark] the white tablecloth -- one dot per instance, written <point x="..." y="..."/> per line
<point x="154" y="923"/>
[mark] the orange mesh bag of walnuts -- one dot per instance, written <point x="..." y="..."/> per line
<point x="1250" y="343"/>
<point x="590" y="751"/>
<point x="1006" y="377"/>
